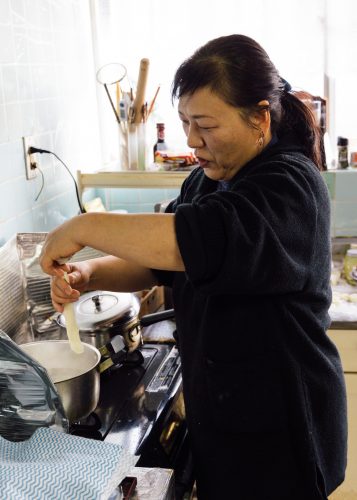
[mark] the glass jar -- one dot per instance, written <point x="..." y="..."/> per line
<point x="353" y="160"/>
<point x="350" y="266"/>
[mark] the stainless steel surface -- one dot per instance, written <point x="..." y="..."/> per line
<point x="35" y="284"/>
<point x="75" y="376"/>
<point x="128" y="329"/>
<point x="102" y="308"/>
<point x="103" y="315"/>
<point x="13" y="310"/>
<point x="153" y="483"/>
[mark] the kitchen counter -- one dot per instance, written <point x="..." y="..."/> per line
<point x="152" y="483"/>
<point x="346" y="343"/>
<point x="343" y="325"/>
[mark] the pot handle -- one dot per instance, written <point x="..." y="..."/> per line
<point x="150" y="319"/>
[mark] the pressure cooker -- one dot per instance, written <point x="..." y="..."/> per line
<point x="102" y="315"/>
<point x="110" y="322"/>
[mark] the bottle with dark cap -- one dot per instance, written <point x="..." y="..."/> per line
<point x="160" y="144"/>
<point x="342" y="152"/>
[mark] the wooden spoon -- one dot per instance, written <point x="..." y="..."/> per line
<point x="72" y="326"/>
<point x="139" y="100"/>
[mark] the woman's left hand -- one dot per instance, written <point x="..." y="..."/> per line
<point x="59" y="246"/>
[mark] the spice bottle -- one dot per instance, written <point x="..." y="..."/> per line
<point x="160" y="144"/>
<point x="342" y="152"/>
<point x="350" y="266"/>
<point x="353" y="160"/>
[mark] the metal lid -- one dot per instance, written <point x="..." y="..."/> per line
<point x="98" y="309"/>
<point x="342" y="141"/>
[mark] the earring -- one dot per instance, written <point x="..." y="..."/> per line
<point x="261" y="139"/>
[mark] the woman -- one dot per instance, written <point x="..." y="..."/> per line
<point x="246" y="250"/>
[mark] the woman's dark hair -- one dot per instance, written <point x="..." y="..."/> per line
<point x="239" y="70"/>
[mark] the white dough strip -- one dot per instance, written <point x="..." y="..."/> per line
<point x="71" y="325"/>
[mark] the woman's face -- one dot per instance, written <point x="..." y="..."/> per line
<point x="222" y="140"/>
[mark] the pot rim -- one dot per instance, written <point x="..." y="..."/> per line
<point x="63" y="341"/>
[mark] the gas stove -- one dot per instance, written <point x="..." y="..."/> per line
<point x="141" y="408"/>
<point x="133" y="397"/>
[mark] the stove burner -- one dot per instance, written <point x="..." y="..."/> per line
<point x="121" y="389"/>
<point x="125" y="358"/>
<point x="88" y="427"/>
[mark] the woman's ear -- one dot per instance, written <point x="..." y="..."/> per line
<point x="261" y="116"/>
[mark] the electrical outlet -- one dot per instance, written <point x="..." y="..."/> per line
<point x="31" y="172"/>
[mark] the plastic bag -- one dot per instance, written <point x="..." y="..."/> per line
<point x="28" y="398"/>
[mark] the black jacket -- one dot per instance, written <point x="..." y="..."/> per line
<point x="251" y="314"/>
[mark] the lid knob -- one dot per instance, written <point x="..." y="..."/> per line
<point x="96" y="300"/>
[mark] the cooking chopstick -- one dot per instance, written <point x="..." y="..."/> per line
<point x="151" y="107"/>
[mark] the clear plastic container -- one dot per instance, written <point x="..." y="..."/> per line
<point x="350" y="266"/>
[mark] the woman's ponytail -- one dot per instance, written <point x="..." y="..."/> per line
<point x="299" y="118"/>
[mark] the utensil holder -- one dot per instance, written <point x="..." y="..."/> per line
<point x="133" y="147"/>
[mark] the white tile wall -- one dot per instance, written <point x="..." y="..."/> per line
<point x="342" y="186"/>
<point x="47" y="91"/>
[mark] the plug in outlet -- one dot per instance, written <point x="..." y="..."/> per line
<point x="30" y="164"/>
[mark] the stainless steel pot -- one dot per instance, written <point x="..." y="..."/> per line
<point x="76" y="376"/>
<point x="103" y="315"/>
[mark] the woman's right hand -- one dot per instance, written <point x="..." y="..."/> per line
<point x="79" y="275"/>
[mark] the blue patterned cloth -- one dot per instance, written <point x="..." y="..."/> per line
<point x="52" y="465"/>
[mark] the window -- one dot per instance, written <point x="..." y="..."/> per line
<point x="305" y="39"/>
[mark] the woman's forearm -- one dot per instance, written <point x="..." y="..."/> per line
<point x="148" y="240"/>
<point x="114" y="274"/>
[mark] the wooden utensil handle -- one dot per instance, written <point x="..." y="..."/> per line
<point x="139" y="100"/>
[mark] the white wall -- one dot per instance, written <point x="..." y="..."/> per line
<point x="342" y="66"/>
<point x="308" y="40"/>
<point x="168" y="32"/>
<point x="47" y="90"/>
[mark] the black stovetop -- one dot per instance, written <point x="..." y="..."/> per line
<point x="130" y="405"/>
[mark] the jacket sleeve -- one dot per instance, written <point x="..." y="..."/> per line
<point x="257" y="238"/>
<point x="165" y="278"/>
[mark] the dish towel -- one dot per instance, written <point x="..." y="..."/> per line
<point x="52" y="465"/>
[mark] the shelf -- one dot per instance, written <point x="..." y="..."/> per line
<point x="130" y="179"/>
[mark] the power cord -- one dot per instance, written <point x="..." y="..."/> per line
<point x="43" y="182"/>
<point x="33" y="150"/>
